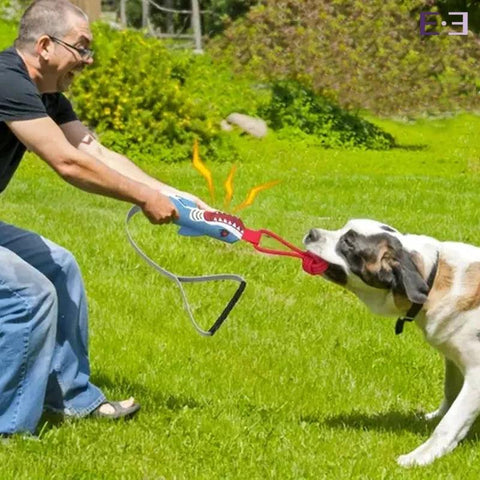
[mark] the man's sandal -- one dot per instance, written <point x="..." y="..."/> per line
<point x="118" y="410"/>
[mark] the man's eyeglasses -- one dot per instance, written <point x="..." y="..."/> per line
<point x="85" y="53"/>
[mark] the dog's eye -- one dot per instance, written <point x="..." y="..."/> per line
<point x="348" y="242"/>
<point x="348" y="239"/>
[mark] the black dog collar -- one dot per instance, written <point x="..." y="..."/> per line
<point x="416" y="307"/>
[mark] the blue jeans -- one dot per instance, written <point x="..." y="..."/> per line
<point x="43" y="332"/>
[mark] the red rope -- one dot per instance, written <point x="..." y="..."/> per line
<point x="311" y="263"/>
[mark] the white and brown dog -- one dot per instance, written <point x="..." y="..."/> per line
<point x="436" y="284"/>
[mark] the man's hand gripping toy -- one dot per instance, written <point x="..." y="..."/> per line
<point x="195" y="222"/>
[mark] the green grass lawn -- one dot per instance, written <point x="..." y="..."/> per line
<point x="301" y="382"/>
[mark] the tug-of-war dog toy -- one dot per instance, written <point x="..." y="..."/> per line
<point x="195" y="222"/>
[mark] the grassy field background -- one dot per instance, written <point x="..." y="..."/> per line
<point x="301" y="382"/>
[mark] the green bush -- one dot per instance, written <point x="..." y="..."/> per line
<point x="294" y="108"/>
<point x="8" y="32"/>
<point x="131" y="96"/>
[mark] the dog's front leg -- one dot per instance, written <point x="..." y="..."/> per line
<point x="452" y="428"/>
<point x="452" y="386"/>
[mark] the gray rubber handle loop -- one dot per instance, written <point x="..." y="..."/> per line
<point x="182" y="279"/>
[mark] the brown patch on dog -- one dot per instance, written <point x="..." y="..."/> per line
<point x="471" y="285"/>
<point x="442" y="283"/>
<point x="376" y="261"/>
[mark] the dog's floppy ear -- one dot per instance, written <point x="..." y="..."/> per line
<point x="408" y="278"/>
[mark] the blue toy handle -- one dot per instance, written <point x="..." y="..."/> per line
<point x="195" y="222"/>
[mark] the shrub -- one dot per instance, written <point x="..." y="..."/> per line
<point x="131" y="96"/>
<point x="8" y="32"/>
<point x="294" y="108"/>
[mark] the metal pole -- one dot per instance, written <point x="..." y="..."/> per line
<point x="145" y="13"/>
<point x="123" y="13"/>
<point x="169" y="17"/>
<point x="196" y="26"/>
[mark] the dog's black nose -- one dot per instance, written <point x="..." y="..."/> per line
<point x="312" y="236"/>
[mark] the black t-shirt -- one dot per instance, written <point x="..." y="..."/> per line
<point x="21" y="100"/>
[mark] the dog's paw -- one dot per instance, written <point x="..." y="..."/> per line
<point x="414" y="460"/>
<point x="424" y="454"/>
<point x="406" y="461"/>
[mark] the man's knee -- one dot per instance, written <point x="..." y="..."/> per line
<point x="65" y="260"/>
<point x="43" y="300"/>
<point x="23" y="286"/>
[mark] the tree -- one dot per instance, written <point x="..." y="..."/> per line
<point x="216" y="14"/>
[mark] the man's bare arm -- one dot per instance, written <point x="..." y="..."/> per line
<point x="84" y="171"/>
<point x="81" y="137"/>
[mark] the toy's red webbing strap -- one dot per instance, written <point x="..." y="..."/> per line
<point x="311" y="263"/>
